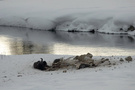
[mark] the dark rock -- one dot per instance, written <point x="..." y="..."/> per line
<point x="64" y="71"/>
<point x="129" y="58"/>
<point x="92" y="31"/>
<point x="72" y="31"/>
<point x="76" y="57"/>
<point x="93" y="65"/>
<point x="83" y="66"/>
<point x="131" y="28"/>
<point x="84" y="57"/>
<point x="121" y="60"/>
<point x="56" y="63"/>
<point x="56" y="60"/>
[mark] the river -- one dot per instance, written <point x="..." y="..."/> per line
<point x="19" y="41"/>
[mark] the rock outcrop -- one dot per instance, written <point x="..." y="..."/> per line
<point x="129" y="58"/>
<point x="78" y="62"/>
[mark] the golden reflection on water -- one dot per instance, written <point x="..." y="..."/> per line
<point x="67" y="49"/>
<point x="4" y="46"/>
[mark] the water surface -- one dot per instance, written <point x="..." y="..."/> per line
<point x="16" y="41"/>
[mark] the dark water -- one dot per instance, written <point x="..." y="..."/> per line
<point x="16" y="41"/>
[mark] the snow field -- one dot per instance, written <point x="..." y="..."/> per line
<point x="16" y="72"/>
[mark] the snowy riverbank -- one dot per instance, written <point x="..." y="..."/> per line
<point x="16" y="72"/>
<point x="113" y="16"/>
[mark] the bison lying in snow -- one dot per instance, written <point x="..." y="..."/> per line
<point x="42" y="65"/>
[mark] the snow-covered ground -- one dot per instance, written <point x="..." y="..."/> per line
<point x="107" y="16"/>
<point x="17" y="73"/>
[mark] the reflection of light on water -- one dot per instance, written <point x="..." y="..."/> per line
<point x="4" y="46"/>
<point x="96" y="51"/>
<point x="17" y="46"/>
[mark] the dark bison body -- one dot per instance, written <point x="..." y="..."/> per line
<point x="41" y="65"/>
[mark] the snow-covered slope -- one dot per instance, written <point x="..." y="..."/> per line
<point x="108" y="16"/>
<point x="16" y="73"/>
